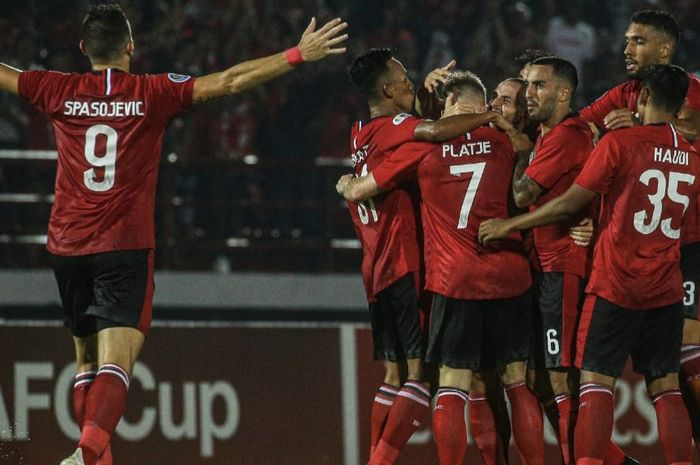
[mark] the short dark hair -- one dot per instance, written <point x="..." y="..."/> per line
<point x="528" y="56"/>
<point x="662" y="21"/>
<point x="667" y="84"/>
<point x="563" y="69"/>
<point x="367" y="68"/>
<point x="465" y="80"/>
<point x="105" y="31"/>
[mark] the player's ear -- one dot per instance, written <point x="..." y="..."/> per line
<point x="81" y="45"/>
<point x="130" y="47"/>
<point x="387" y="91"/>
<point x="666" y="50"/>
<point x="564" y="94"/>
<point x="643" y="98"/>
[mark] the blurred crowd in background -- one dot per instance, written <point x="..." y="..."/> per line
<point x="256" y="171"/>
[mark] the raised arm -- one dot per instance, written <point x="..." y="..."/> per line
<point x="688" y="123"/>
<point x="452" y="126"/>
<point x="556" y="210"/>
<point x="9" y="78"/>
<point x="314" y="45"/>
<point x="428" y="103"/>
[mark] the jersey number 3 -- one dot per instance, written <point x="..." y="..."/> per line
<point x="477" y="170"/>
<point x="106" y="161"/>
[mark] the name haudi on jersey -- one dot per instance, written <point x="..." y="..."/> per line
<point x="104" y="109"/>
<point x="674" y="156"/>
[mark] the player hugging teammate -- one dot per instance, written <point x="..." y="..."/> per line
<point x="591" y="301"/>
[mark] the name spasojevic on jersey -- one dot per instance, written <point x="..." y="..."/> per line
<point x="104" y="109"/>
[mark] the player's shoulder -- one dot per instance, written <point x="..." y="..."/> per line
<point x="572" y="129"/>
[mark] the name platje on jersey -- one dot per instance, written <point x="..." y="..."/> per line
<point x="104" y="109"/>
<point x="667" y="155"/>
<point x="468" y="149"/>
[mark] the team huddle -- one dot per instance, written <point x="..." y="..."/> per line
<point x="529" y="250"/>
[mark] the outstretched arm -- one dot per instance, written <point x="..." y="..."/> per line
<point x="314" y="45"/>
<point x="554" y="211"/>
<point x="9" y="78"/>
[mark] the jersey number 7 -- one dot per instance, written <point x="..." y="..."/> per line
<point x="477" y="170"/>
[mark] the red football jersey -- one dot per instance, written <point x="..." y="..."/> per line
<point x="386" y="224"/>
<point x="625" y="96"/>
<point x="463" y="182"/>
<point x="691" y="228"/>
<point x="648" y="177"/>
<point x="109" y="129"/>
<point x="556" y="160"/>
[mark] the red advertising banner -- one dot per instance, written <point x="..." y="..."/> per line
<point x="238" y="394"/>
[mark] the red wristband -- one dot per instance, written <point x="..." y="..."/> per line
<point x="293" y="56"/>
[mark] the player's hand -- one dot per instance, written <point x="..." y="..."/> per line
<point x="493" y="229"/>
<point x="343" y="183"/>
<point x="595" y="131"/>
<point x="317" y="44"/>
<point x="499" y="122"/>
<point x="437" y="77"/>
<point x="620" y="118"/>
<point x="583" y="233"/>
<point x="459" y="108"/>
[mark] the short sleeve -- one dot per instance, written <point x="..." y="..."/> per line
<point x="399" y="130"/>
<point x="170" y="93"/>
<point x="401" y="166"/>
<point x="600" y="169"/>
<point x="43" y="89"/>
<point x="609" y="101"/>
<point x="555" y="157"/>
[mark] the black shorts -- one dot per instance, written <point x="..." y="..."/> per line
<point x="480" y="335"/>
<point x="396" y="328"/>
<point x="690" y="266"/>
<point x="560" y="296"/>
<point x="608" y="334"/>
<point x="106" y="290"/>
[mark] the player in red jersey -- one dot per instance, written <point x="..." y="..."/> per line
<point x="109" y="127"/>
<point x="561" y="149"/>
<point x="647" y="177"/>
<point x="651" y="39"/>
<point x="386" y="227"/>
<point x="480" y="314"/>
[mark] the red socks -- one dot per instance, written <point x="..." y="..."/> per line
<point x="527" y="423"/>
<point x="104" y="407"/>
<point x="449" y="426"/>
<point x="381" y="406"/>
<point x="690" y="373"/>
<point x="81" y="386"/>
<point x="674" y="427"/>
<point x="482" y="420"/>
<point x="568" y="411"/>
<point x="594" y="424"/>
<point x="410" y="406"/>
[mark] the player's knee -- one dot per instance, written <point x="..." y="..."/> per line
<point x="455" y="378"/>
<point x="392" y="374"/>
<point x="515" y="372"/>
<point x="661" y="384"/>
<point x="415" y="369"/>
<point x="559" y="380"/>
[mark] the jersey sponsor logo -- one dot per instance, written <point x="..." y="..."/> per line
<point x="179" y="77"/>
<point x="400" y="118"/>
<point x="103" y="109"/>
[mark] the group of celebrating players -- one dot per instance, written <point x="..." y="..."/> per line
<point x="608" y="269"/>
